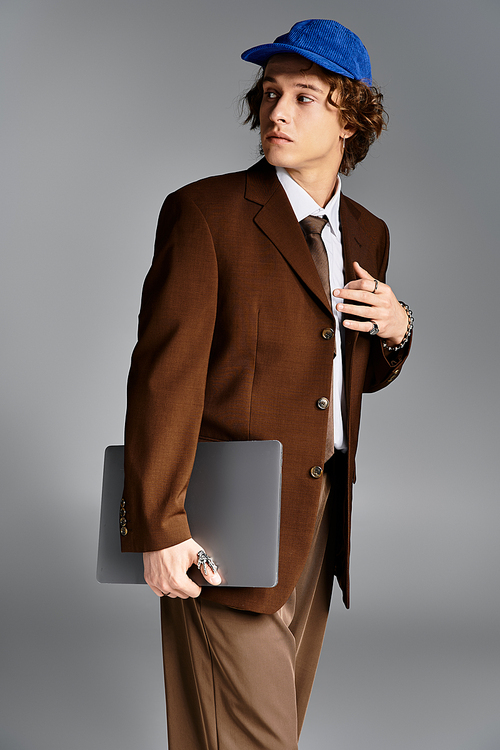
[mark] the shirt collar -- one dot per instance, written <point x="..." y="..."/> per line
<point x="303" y="205"/>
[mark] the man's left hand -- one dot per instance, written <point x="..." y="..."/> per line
<point x="378" y="304"/>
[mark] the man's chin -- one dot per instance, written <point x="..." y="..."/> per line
<point x="276" y="160"/>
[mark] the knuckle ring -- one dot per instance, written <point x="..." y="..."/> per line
<point x="204" y="560"/>
<point x="374" y="330"/>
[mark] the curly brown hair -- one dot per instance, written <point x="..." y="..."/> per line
<point x="361" y="108"/>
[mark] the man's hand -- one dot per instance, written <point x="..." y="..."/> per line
<point x="380" y="307"/>
<point x="165" y="571"/>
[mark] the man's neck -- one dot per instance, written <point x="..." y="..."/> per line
<point x="320" y="187"/>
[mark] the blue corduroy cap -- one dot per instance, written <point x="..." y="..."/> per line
<point x="326" y="43"/>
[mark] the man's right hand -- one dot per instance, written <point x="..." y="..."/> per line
<point x="165" y="571"/>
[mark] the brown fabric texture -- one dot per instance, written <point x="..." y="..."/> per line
<point x="231" y="347"/>
<point x="237" y="680"/>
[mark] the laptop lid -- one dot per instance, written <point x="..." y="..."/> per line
<point x="233" y="509"/>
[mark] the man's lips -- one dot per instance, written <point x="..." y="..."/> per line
<point x="278" y="137"/>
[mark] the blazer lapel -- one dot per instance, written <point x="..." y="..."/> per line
<point x="355" y="240"/>
<point x="355" y="246"/>
<point x="279" y="223"/>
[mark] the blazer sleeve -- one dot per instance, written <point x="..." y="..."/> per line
<point x="384" y="366"/>
<point x="166" y="384"/>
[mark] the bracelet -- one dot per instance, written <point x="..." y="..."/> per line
<point x="409" y="329"/>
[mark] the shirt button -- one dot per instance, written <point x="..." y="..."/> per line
<point x="322" y="403"/>
<point x="327" y="333"/>
<point x="316" y="472"/>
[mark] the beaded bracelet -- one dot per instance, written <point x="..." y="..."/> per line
<point x="411" y="321"/>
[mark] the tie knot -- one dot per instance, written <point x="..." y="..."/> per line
<point x="313" y="224"/>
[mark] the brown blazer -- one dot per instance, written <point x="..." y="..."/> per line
<point x="231" y="347"/>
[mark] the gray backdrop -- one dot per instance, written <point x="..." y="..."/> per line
<point x="106" y="107"/>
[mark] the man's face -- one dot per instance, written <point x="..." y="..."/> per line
<point x="300" y="130"/>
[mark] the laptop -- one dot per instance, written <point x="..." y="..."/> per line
<point x="233" y="509"/>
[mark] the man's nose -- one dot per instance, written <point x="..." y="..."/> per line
<point x="281" y="111"/>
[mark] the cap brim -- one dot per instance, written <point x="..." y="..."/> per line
<point x="261" y="54"/>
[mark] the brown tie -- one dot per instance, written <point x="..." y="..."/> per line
<point x="312" y="226"/>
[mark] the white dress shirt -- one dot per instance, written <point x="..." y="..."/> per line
<point x="303" y="205"/>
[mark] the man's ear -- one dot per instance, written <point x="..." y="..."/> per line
<point x="348" y="132"/>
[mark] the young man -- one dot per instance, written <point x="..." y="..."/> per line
<point x="264" y="316"/>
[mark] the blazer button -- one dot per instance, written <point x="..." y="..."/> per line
<point x="322" y="403"/>
<point x="327" y="333"/>
<point x="122" y="504"/>
<point x="123" y="531"/>
<point x="316" y="472"/>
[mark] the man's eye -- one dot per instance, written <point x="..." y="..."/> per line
<point x="304" y="98"/>
<point x="270" y="94"/>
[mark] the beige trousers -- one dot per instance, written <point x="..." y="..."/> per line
<point x="238" y="680"/>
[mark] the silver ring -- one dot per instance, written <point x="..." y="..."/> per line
<point x="376" y="285"/>
<point x="374" y="330"/>
<point x="204" y="559"/>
